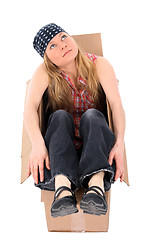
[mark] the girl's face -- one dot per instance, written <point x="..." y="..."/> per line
<point x="62" y="49"/>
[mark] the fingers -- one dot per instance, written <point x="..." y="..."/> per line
<point x="122" y="177"/>
<point x="41" y="171"/>
<point x="35" y="173"/>
<point x="119" y="173"/>
<point x="110" y="159"/>
<point x="33" y="168"/>
<point x="41" y="167"/>
<point x="47" y="162"/>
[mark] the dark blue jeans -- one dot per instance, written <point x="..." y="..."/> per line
<point x="78" y="164"/>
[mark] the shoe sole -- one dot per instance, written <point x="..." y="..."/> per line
<point x="91" y="207"/>
<point x="63" y="211"/>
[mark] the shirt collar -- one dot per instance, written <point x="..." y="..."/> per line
<point x="79" y="77"/>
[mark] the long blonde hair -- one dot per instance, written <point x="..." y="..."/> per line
<point x="59" y="90"/>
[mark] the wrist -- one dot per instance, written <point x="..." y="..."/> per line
<point x="37" y="142"/>
<point x="119" y="142"/>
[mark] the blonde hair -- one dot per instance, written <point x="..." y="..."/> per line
<point x="59" y="90"/>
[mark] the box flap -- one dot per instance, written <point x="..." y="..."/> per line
<point x="26" y="147"/>
<point x="86" y="41"/>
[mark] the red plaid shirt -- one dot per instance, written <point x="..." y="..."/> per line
<point x="82" y="102"/>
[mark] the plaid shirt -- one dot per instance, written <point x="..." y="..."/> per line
<point x="82" y="101"/>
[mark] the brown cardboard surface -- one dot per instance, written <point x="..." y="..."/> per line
<point x="26" y="148"/>
<point x="77" y="222"/>
<point x="90" y="43"/>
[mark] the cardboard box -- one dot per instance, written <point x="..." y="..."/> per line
<point x="78" y="222"/>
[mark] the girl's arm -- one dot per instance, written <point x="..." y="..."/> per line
<point x="36" y="88"/>
<point x="109" y="83"/>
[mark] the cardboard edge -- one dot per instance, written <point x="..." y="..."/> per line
<point x="87" y="34"/>
<point x="26" y="145"/>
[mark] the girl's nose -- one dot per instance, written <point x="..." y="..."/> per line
<point x="63" y="45"/>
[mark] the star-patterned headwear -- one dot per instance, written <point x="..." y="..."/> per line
<point x="44" y="35"/>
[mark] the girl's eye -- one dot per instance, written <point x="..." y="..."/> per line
<point x="63" y="36"/>
<point x="52" y="45"/>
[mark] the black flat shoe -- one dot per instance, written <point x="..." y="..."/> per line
<point x="65" y="205"/>
<point x="94" y="203"/>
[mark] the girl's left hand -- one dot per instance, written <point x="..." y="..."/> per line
<point x="116" y="153"/>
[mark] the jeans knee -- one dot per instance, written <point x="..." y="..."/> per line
<point x="61" y="116"/>
<point x="60" y="113"/>
<point x="91" y="113"/>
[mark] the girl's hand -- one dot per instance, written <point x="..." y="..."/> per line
<point x="38" y="154"/>
<point x="116" y="153"/>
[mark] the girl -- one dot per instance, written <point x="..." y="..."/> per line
<point x="78" y="148"/>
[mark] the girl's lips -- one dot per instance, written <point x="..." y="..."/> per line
<point x="67" y="52"/>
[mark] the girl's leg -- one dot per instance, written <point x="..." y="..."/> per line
<point x="98" y="139"/>
<point x="61" y="180"/>
<point x="97" y="179"/>
<point x="62" y="153"/>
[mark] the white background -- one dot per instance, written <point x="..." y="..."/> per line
<point x="127" y="40"/>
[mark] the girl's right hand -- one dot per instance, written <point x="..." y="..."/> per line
<point x="38" y="154"/>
